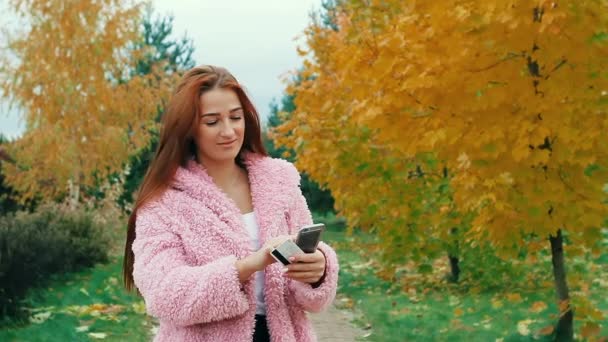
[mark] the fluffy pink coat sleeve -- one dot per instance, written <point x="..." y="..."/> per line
<point x="318" y="298"/>
<point x="175" y="291"/>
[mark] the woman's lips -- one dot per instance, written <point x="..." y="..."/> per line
<point x="227" y="143"/>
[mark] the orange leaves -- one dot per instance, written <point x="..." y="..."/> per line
<point x="84" y="112"/>
<point x="538" y="307"/>
<point x="497" y="94"/>
<point x="514" y="297"/>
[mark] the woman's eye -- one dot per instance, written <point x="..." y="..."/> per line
<point x="233" y="118"/>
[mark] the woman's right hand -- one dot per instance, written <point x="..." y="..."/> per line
<point x="258" y="260"/>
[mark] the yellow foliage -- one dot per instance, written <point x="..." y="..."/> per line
<point x="84" y="113"/>
<point x="513" y="103"/>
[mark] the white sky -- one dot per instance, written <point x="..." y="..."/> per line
<point x="255" y="40"/>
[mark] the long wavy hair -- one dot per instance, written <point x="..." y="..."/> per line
<point x="177" y="145"/>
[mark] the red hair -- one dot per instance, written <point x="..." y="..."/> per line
<point x="177" y="144"/>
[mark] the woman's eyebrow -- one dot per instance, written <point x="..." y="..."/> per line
<point x="231" y="111"/>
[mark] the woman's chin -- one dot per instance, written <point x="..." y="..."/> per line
<point x="223" y="156"/>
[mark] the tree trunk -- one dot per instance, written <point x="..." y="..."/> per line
<point x="564" y="329"/>
<point x="74" y="195"/>
<point x="453" y="252"/>
<point x="454" y="268"/>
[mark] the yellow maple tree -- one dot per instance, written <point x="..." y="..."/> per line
<point x="509" y="95"/>
<point x="70" y="71"/>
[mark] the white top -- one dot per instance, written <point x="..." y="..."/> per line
<point x="253" y="229"/>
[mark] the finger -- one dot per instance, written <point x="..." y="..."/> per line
<point x="305" y="267"/>
<point x="309" y="257"/>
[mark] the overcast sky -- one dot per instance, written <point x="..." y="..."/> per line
<point x="255" y="40"/>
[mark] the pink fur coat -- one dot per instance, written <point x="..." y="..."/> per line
<point x="188" y="240"/>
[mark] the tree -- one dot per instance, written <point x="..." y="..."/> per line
<point x="509" y="95"/>
<point x="70" y="72"/>
<point x="319" y="199"/>
<point x="7" y="194"/>
<point x="176" y="57"/>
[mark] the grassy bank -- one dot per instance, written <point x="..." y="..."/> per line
<point x="92" y="305"/>
<point x="452" y="313"/>
<point x="84" y="306"/>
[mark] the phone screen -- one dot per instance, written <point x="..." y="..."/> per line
<point x="309" y="236"/>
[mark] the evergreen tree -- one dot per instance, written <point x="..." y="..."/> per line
<point x="177" y="56"/>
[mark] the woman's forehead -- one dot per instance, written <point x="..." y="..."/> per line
<point x="219" y="100"/>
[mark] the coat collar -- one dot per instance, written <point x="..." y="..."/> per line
<point x="269" y="185"/>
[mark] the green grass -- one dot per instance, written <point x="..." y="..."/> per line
<point x="69" y="299"/>
<point x="451" y="313"/>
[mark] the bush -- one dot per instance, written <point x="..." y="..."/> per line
<point x="51" y="240"/>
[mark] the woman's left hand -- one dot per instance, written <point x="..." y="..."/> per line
<point x="307" y="268"/>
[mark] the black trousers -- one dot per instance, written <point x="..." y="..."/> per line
<point x="260" y="334"/>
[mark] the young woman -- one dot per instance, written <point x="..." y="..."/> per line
<point x="211" y="207"/>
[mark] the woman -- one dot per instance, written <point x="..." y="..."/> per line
<point x="210" y="198"/>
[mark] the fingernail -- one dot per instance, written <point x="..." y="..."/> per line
<point x="292" y="259"/>
<point x="285" y="269"/>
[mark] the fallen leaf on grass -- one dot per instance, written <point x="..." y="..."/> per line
<point x="600" y="282"/>
<point x="97" y="307"/>
<point x="458" y="312"/>
<point x="523" y="327"/>
<point x="361" y="265"/>
<point x="548" y="330"/>
<point x="139" y="307"/>
<point x="346" y="302"/>
<point x="44" y="308"/>
<point x="113" y="309"/>
<point x="496" y="303"/>
<point x="400" y="312"/>
<point x="98" y="335"/>
<point x="40" y="317"/>
<point x="590" y="329"/>
<point x="514" y="297"/>
<point x="82" y="328"/>
<point x="485" y="323"/>
<point x="538" y="307"/>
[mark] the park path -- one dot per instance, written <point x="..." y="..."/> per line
<point x="334" y="325"/>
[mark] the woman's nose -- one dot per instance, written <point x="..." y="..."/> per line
<point x="227" y="129"/>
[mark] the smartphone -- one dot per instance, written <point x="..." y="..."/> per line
<point x="309" y="236"/>
<point x="306" y="242"/>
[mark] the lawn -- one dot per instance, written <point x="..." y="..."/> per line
<point x="92" y="305"/>
<point x="451" y="313"/>
<point x="84" y="306"/>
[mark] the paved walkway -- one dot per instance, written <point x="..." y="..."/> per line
<point x="333" y="325"/>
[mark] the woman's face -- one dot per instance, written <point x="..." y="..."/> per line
<point x="222" y="126"/>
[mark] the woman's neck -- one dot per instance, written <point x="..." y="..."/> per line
<point x="223" y="173"/>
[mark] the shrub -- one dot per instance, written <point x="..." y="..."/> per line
<point x="51" y="240"/>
